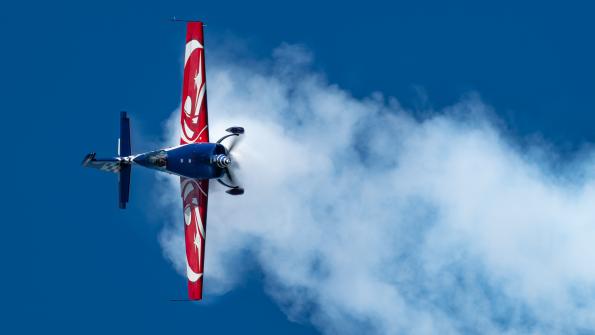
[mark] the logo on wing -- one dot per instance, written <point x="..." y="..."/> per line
<point x="194" y="108"/>
<point x="194" y="228"/>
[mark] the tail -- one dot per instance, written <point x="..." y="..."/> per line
<point x="124" y="150"/>
<point x="120" y="165"/>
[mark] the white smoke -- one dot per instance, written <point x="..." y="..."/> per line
<point x="365" y="219"/>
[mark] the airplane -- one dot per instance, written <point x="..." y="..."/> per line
<point x="195" y="160"/>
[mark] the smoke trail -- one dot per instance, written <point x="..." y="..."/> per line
<point x="365" y="219"/>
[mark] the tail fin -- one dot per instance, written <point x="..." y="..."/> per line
<point x="120" y="164"/>
<point x="124" y="150"/>
<point x="103" y="164"/>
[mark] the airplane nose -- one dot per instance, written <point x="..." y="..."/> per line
<point x="222" y="161"/>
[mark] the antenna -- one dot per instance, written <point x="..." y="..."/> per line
<point x="175" y="19"/>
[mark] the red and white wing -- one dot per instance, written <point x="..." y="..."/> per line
<point x="194" y="123"/>
<point x="194" y="197"/>
<point x="194" y="118"/>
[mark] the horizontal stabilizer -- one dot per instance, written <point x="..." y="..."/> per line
<point x="124" y="148"/>
<point x="124" y="185"/>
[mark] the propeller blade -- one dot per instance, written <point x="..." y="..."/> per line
<point x="226" y="136"/>
<point x="230" y="176"/>
<point x="234" y="142"/>
<point x="232" y="188"/>
<point x="235" y="191"/>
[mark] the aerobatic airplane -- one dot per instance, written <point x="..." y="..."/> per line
<point x="195" y="160"/>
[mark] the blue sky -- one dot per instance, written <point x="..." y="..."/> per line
<point x="75" y="263"/>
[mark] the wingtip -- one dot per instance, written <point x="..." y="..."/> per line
<point x="177" y="19"/>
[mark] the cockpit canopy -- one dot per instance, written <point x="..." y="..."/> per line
<point x="154" y="159"/>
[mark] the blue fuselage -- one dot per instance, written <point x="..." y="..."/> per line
<point x="196" y="160"/>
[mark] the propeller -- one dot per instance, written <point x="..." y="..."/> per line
<point x="233" y="185"/>
<point x="237" y="139"/>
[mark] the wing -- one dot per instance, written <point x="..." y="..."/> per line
<point x="194" y="197"/>
<point x="194" y="123"/>
<point x="194" y="116"/>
